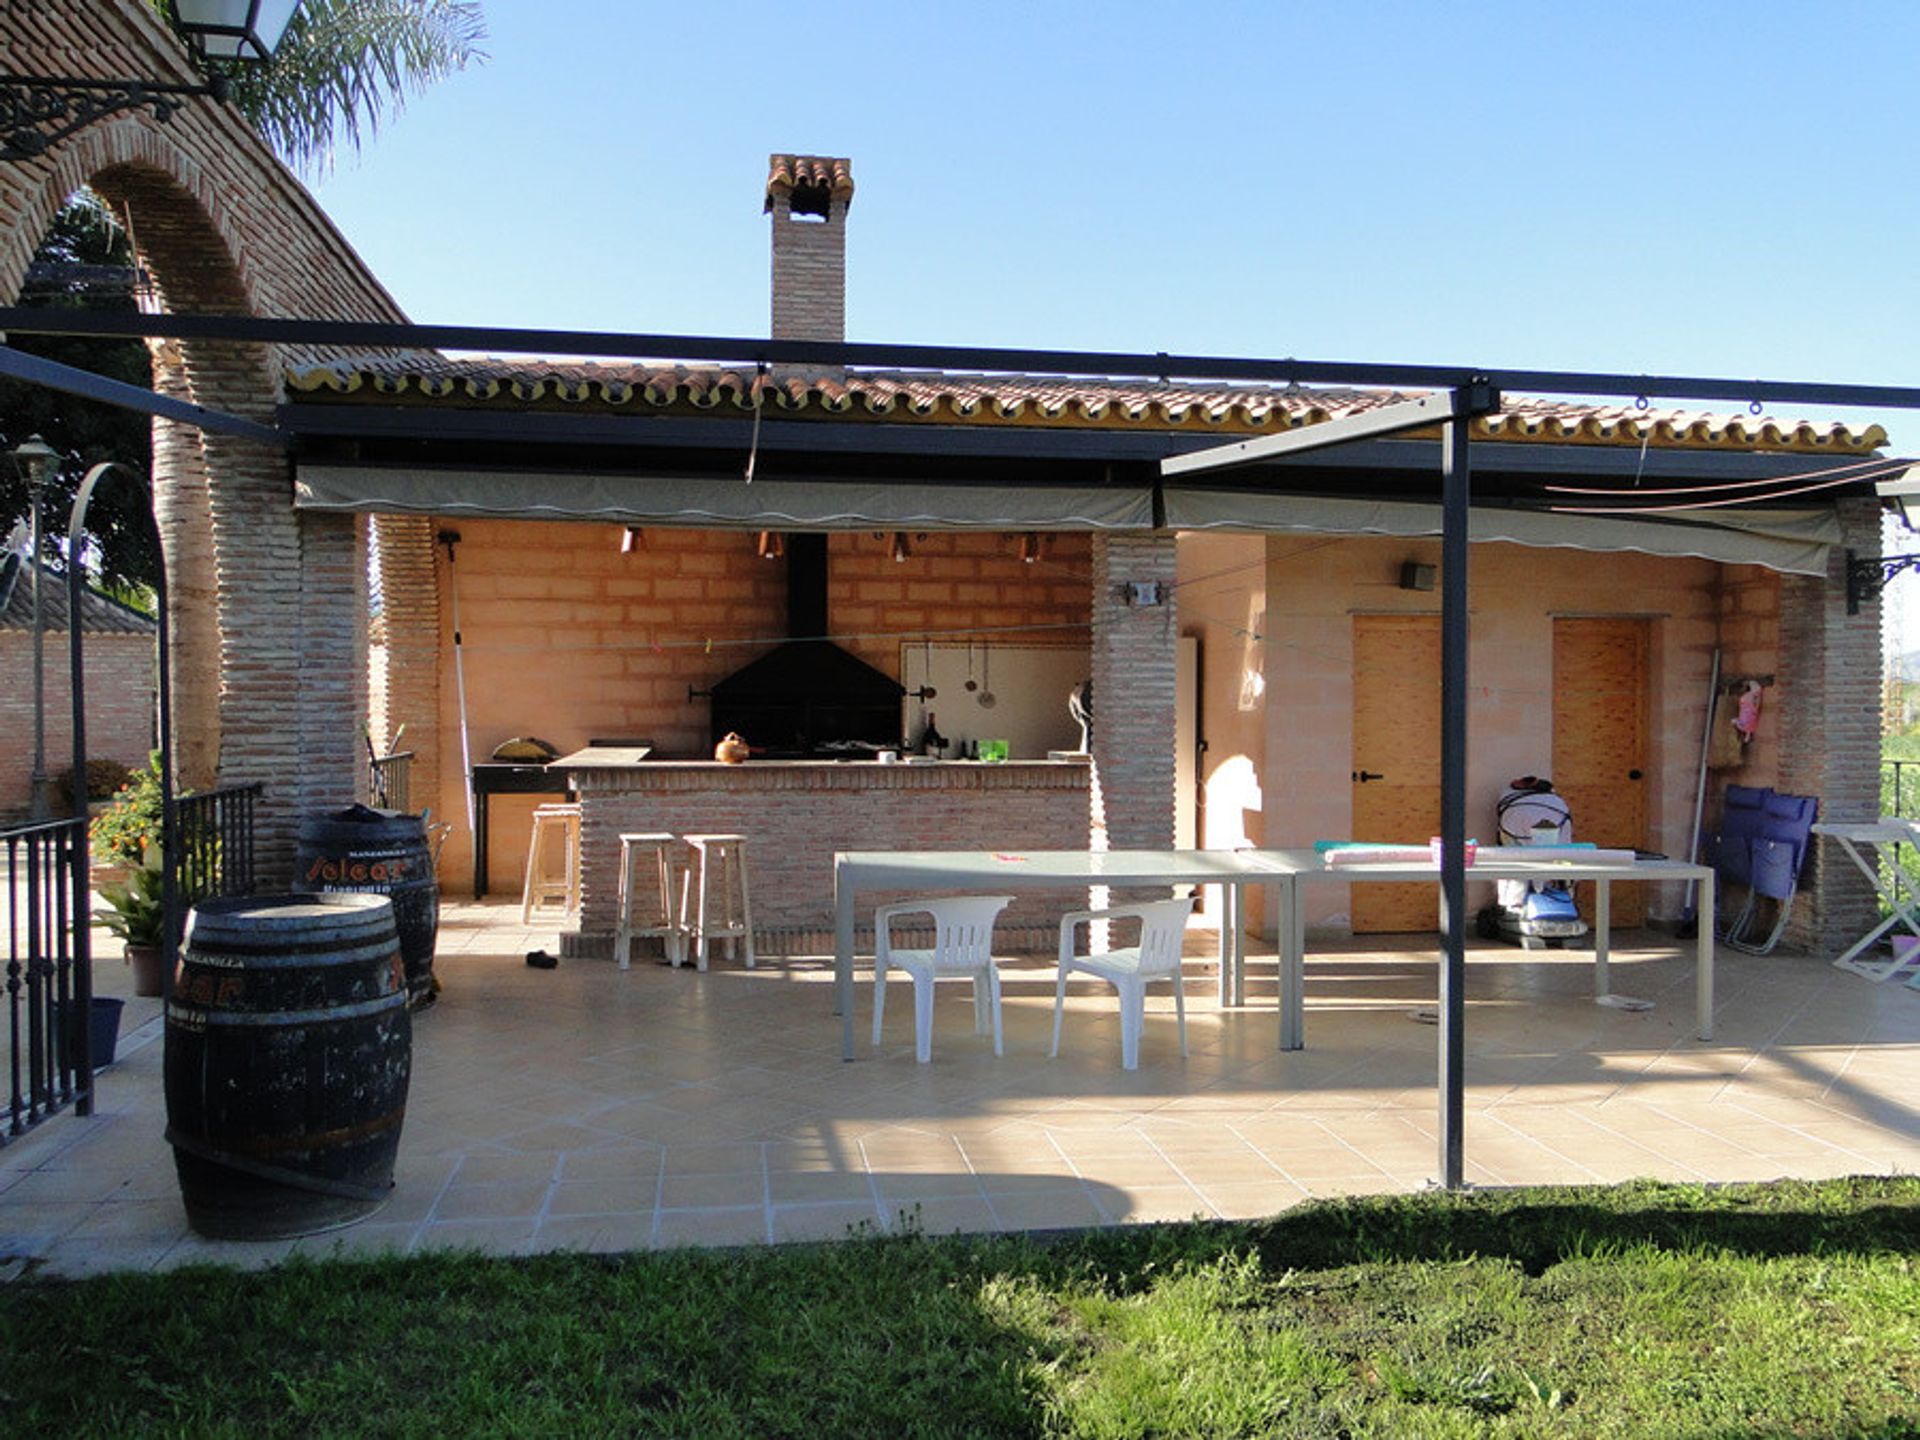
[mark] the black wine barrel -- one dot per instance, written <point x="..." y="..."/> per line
<point x="288" y="1050"/>
<point x="378" y="852"/>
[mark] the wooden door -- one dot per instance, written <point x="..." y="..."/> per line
<point x="1600" y="704"/>
<point x="1396" y="759"/>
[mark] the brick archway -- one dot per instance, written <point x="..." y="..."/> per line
<point x="268" y="605"/>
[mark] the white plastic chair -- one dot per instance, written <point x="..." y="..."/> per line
<point x="962" y="947"/>
<point x="1156" y="956"/>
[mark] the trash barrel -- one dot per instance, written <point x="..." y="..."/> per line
<point x="103" y="1029"/>
<point x="289" y="1046"/>
<point x="378" y="852"/>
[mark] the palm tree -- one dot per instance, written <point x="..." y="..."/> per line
<point x="345" y="66"/>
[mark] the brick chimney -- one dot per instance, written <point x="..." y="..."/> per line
<point x="808" y="196"/>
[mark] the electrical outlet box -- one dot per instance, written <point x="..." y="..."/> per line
<point x="1143" y="592"/>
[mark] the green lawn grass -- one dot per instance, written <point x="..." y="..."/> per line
<point x="1643" y="1310"/>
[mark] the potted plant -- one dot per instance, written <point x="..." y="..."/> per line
<point x="122" y="832"/>
<point x="136" y="912"/>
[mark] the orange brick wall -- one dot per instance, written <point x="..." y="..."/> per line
<point x="567" y="638"/>
<point x="1313" y="591"/>
<point x="120" y="713"/>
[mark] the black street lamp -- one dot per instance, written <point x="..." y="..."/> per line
<point x="38" y="462"/>
<point x="39" y="111"/>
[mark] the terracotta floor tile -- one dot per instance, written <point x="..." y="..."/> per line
<point x="489" y="1202"/>
<point x="739" y="1225"/>
<point x="679" y="1192"/>
<point x="825" y="1222"/>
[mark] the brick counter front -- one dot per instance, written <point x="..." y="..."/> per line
<point x="797" y="814"/>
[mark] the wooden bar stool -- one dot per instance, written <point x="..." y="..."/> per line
<point x="716" y="905"/>
<point x="645" y="915"/>
<point x="553" y="825"/>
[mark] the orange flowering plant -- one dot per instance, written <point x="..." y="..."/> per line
<point x="121" y="833"/>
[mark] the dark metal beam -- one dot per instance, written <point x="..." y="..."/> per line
<point x="1397" y="419"/>
<point x="55" y="376"/>
<point x="1456" y="493"/>
<point x="500" y="424"/>
<point x="1129" y="364"/>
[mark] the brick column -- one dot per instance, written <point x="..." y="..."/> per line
<point x="1829" y="693"/>
<point x="1134" y="668"/>
<point x="183" y="512"/>
<point x="410" y="659"/>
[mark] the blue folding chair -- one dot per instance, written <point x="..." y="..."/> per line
<point x="1742" y="819"/>
<point x="1775" y="856"/>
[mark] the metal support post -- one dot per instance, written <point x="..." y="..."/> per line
<point x="1456" y="478"/>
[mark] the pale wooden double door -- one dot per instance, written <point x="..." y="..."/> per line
<point x="1599" y="751"/>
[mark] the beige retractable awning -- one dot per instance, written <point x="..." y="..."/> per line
<point x="721" y="503"/>
<point x="1794" y="541"/>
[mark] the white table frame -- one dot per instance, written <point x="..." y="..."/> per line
<point x="989" y="872"/>
<point x="1885" y="836"/>
<point x="1307" y="865"/>
<point x="917" y="871"/>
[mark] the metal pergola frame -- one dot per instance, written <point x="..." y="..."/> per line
<point x="1468" y="390"/>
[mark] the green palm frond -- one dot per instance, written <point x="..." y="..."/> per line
<point x="347" y="66"/>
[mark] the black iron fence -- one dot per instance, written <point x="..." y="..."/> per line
<point x="47" y="979"/>
<point x="390" y="781"/>
<point x="1900" y="787"/>
<point x="216" y="843"/>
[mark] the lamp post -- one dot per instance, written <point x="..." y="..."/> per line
<point x="37" y="462"/>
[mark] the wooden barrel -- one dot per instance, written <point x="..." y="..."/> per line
<point x="288" y="1050"/>
<point x="378" y="852"/>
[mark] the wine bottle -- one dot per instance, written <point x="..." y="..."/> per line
<point x="932" y="742"/>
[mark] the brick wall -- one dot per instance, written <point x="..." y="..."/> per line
<point x="1133" y="694"/>
<point x="120" y="706"/>
<point x="797" y="815"/>
<point x="570" y="639"/>
<point x="404" y="673"/>
<point x="809" y="272"/>
<point x="1829" y="701"/>
<point x="1313" y="591"/>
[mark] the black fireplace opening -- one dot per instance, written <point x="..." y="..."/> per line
<point x="808" y="698"/>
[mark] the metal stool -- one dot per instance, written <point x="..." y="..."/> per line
<point x="638" y="852"/>
<point x="543" y="888"/>
<point x="716" y="906"/>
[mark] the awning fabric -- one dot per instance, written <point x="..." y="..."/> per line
<point x="720" y="504"/>
<point x="1794" y="541"/>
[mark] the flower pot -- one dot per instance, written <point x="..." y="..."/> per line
<point x="103" y="1028"/>
<point x="149" y="969"/>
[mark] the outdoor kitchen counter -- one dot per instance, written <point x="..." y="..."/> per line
<point x="797" y="814"/>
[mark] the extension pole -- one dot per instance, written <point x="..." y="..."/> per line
<point x="451" y="538"/>
<point x="1700" y="787"/>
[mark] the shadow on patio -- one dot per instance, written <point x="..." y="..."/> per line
<point x="587" y="1108"/>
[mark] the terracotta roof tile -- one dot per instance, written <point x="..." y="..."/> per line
<point x="828" y="173"/>
<point x="943" y="397"/>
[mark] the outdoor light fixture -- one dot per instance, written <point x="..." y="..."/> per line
<point x="771" y="545"/>
<point x="37" y="462"/>
<point x="1030" y="546"/>
<point x="39" y="111"/>
<point x="1414" y="575"/>
<point x="632" y="537"/>
<point x="901" y="550"/>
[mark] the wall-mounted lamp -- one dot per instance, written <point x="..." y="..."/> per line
<point x="1416" y="576"/>
<point x="632" y="538"/>
<point x="771" y="545"/>
<point x="900" y="550"/>
<point x="1032" y="544"/>
<point x="39" y="111"/>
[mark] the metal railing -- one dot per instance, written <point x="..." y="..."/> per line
<point x="1900" y="787"/>
<point x="390" y="781"/>
<point x="47" y="980"/>
<point x="216" y="843"/>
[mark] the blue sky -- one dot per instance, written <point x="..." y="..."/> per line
<point x="1680" y="188"/>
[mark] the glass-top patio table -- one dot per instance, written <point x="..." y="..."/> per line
<point x="1507" y="864"/>
<point x="991" y="871"/>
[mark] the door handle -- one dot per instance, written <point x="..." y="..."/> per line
<point x="1365" y="775"/>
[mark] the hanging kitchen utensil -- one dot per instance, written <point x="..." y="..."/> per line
<point x="972" y="684"/>
<point x="986" y="696"/>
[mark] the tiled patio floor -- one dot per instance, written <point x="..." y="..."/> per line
<point x="584" y="1108"/>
